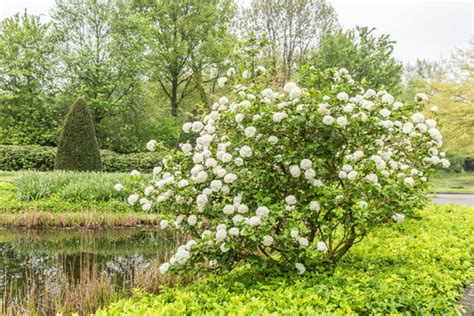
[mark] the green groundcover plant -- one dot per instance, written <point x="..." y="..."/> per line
<point x="291" y="178"/>
<point x="419" y="267"/>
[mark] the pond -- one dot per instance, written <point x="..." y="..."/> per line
<point x="55" y="259"/>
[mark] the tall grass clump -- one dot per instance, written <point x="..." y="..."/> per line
<point x="67" y="185"/>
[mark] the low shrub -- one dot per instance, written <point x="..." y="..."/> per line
<point x="419" y="267"/>
<point x="41" y="158"/>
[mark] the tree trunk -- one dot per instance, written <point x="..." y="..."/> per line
<point x="174" y="98"/>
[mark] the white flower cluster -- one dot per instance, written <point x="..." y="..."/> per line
<point x="268" y="167"/>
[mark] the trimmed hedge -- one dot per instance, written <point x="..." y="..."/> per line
<point x="41" y="158"/>
<point x="77" y="148"/>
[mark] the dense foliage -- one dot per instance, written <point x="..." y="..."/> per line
<point x="78" y="149"/>
<point x="367" y="57"/>
<point x="41" y="158"/>
<point x="419" y="267"/>
<point x="292" y="178"/>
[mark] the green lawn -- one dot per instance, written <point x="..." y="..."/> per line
<point x="453" y="182"/>
<point x="419" y="267"/>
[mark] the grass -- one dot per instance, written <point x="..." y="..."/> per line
<point x="419" y="267"/>
<point x="66" y="199"/>
<point x="443" y="182"/>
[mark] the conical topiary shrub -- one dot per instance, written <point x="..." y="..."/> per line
<point x="78" y="148"/>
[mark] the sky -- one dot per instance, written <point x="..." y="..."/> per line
<point x="425" y="29"/>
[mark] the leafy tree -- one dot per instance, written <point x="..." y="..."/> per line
<point x="102" y="53"/>
<point x="27" y="58"/>
<point x="292" y="27"/>
<point x="186" y="38"/>
<point x="78" y="148"/>
<point x="367" y="57"/>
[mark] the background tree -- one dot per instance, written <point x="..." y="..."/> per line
<point x="186" y="37"/>
<point x="102" y="53"/>
<point x="78" y="149"/>
<point x="293" y="27"/>
<point x="367" y="57"/>
<point x="27" y="58"/>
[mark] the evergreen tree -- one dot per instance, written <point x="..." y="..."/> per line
<point x="78" y="148"/>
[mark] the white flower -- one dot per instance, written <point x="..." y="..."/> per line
<point x="303" y="242"/>
<point x="430" y="122"/>
<point x="237" y="219"/>
<point x="192" y="220"/>
<point x="221" y="81"/>
<point x="314" y="206"/>
<point x="357" y="155"/>
<point x="305" y="164"/>
<point x="409" y="181"/>
<point x="242" y="208"/>
<point x="148" y="190"/>
<point x="348" y="108"/>
<point x="230" y="72"/>
<point x="407" y="128"/>
<point x="210" y="163"/>
<point x="223" y="100"/>
<point x="197" y="158"/>
<point x="164" y="267"/>
<point x="246" y="74"/>
<point x="132" y="199"/>
<point x="197" y="126"/>
<point x="310" y="174"/>
<point x="267" y="240"/>
<point x="255" y="221"/>
<point x="273" y="139"/>
<point x="234" y="231"/>
<point x="261" y="70"/>
<point x="385" y="112"/>
<point x="146" y="206"/>
<point x="300" y="267"/>
<point x="421" y="97"/>
<point x="151" y="145"/>
<point x="187" y="127"/>
<point x="371" y="178"/>
<point x="216" y="185"/>
<point x="341" y="121"/>
<point x="321" y="246"/>
<point x="445" y="162"/>
<point x="290" y="200"/>
<point x="317" y="183"/>
<point x="135" y="173"/>
<point x="204" y="140"/>
<point x="202" y="200"/>
<point x="362" y="204"/>
<point x="418" y="117"/>
<point x="279" y="116"/>
<point x="294" y="233"/>
<point x="230" y="177"/>
<point x="245" y="152"/>
<point x="186" y="148"/>
<point x="398" y="217"/>
<point x="342" y="96"/>
<point x="434" y="109"/>
<point x="262" y="211"/>
<point x="239" y="117"/>
<point x="164" y="223"/>
<point x="342" y="175"/>
<point x="201" y="177"/>
<point x="221" y="234"/>
<point x="289" y="86"/>
<point x="250" y="131"/>
<point x="224" y="247"/>
<point x="239" y="161"/>
<point x="387" y="98"/>
<point x="295" y="171"/>
<point x="352" y="175"/>
<point x="328" y="120"/>
<point x="228" y="209"/>
<point x="182" y="183"/>
<point x="118" y="187"/>
<point x="226" y="157"/>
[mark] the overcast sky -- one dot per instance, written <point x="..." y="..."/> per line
<point x="422" y="28"/>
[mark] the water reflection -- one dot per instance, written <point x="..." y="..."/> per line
<point x="33" y="256"/>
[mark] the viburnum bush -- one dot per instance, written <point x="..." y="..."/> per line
<point x="292" y="178"/>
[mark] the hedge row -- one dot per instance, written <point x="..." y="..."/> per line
<point x="41" y="158"/>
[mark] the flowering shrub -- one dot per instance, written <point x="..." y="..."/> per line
<point x="292" y="178"/>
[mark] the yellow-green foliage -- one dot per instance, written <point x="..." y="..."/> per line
<point x="456" y="114"/>
<point x="418" y="267"/>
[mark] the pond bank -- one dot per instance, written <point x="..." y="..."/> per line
<point x="87" y="219"/>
